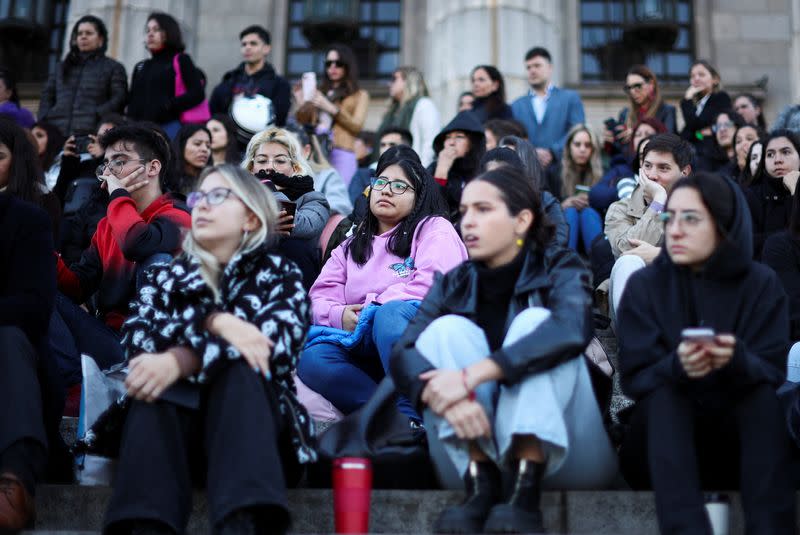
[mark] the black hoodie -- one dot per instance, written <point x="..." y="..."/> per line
<point x="465" y="168"/>
<point x="770" y="205"/>
<point x="264" y="82"/>
<point x="732" y="294"/>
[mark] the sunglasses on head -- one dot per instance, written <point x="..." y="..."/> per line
<point x="334" y="63"/>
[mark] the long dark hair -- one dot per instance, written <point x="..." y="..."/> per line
<point x="655" y="99"/>
<point x="746" y="177"/>
<point x="788" y="134"/>
<point x="526" y="153"/>
<point x="518" y="193"/>
<point x="349" y="84"/>
<point x="232" y="152"/>
<point x="55" y="142"/>
<point x="73" y="57"/>
<point x="760" y="122"/>
<point x="180" y="181"/>
<point x="25" y="179"/>
<point x="173" y="38"/>
<point x="11" y="84"/>
<point x="496" y="100"/>
<point x="428" y="202"/>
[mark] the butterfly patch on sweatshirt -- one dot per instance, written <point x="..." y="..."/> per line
<point x="403" y="269"/>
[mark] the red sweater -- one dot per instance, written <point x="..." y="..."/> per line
<point x="123" y="238"/>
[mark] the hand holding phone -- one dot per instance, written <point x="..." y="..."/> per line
<point x="309" y="85"/>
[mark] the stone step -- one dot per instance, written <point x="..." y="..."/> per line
<point x="69" y="509"/>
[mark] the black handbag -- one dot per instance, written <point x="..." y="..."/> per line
<point x="380" y="432"/>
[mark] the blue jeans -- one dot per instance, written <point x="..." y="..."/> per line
<point x="585" y="224"/>
<point x="348" y="378"/>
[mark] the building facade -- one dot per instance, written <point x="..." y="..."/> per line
<point x="755" y="45"/>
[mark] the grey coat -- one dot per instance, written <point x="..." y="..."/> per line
<point x="312" y="214"/>
<point x="78" y="99"/>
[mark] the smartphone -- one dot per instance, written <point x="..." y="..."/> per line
<point x="611" y="124"/>
<point x="309" y="84"/>
<point x="698" y="334"/>
<point x="289" y="206"/>
<point x="82" y="144"/>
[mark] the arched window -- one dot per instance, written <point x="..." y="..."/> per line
<point x="616" y="34"/>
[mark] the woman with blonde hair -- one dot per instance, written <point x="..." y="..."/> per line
<point x="232" y="317"/>
<point x="580" y="169"/>
<point x="275" y="157"/>
<point x="414" y="111"/>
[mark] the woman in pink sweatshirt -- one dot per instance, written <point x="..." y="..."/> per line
<point x="390" y="261"/>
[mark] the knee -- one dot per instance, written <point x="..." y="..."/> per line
<point x="626" y="264"/>
<point x="527" y="321"/>
<point x="315" y="365"/>
<point x="446" y="326"/>
<point x="793" y="364"/>
<point x="393" y="311"/>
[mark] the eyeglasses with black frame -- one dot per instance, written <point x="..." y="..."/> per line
<point x="397" y="187"/>
<point x="115" y="166"/>
<point x="213" y="197"/>
<point x="335" y="63"/>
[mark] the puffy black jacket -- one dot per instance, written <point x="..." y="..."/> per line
<point x="731" y="294"/>
<point x="556" y="280"/>
<point x="153" y="88"/>
<point x="75" y="100"/>
<point x="264" y="82"/>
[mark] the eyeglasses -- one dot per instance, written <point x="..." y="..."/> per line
<point x="115" y="166"/>
<point x="684" y="219"/>
<point x="276" y="161"/>
<point x="637" y="86"/>
<point x="722" y="126"/>
<point x="213" y="197"/>
<point x="396" y="187"/>
<point x="335" y="63"/>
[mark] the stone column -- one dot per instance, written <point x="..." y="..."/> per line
<point x="460" y="34"/>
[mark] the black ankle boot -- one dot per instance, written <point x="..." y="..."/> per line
<point x="521" y="513"/>
<point x="483" y="491"/>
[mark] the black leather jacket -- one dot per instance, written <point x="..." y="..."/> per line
<point x="556" y="280"/>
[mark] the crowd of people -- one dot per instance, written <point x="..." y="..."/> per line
<point x="250" y="259"/>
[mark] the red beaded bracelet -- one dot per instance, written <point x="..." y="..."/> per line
<point x="470" y="393"/>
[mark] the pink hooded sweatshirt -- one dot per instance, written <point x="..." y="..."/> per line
<point x="385" y="277"/>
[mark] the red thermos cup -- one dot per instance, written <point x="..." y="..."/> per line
<point x="352" y="484"/>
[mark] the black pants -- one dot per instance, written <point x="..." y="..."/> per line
<point x="231" y="442"/>
<point x="23" y="446"/>
<point x="680" y="447"/>
<point x="304" y="253"/>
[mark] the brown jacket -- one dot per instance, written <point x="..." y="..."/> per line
<point x="347" y="123"/>
<point x="630" y="218"/>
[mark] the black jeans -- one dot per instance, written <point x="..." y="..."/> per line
<point x="679" y="447"/>
<point x="231" y="443"/>
<point x="73" y="332"/>
<point x="23" y="445"/>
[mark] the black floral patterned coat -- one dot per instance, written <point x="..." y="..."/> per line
<point x="261" y="288"/>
